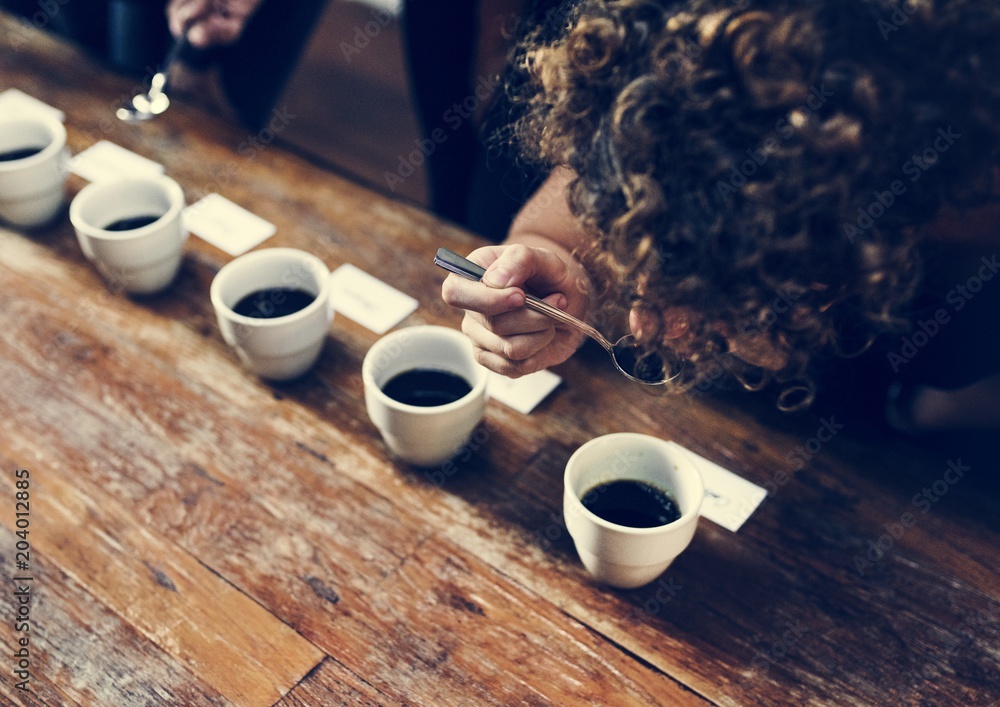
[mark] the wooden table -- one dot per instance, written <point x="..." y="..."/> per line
<point x="198" y="536"/>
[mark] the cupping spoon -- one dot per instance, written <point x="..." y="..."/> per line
<point x="154" y="101"/>
<point x="629" y="358"/>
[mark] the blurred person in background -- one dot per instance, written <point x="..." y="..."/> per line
<point x="457" y="55"/>
<point x="130" y="35"/>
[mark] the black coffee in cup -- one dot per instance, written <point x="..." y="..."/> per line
<point x="632" y="503"/>
<point x="274" y="302"/>
<point x="131" y="223"/>
<point x="19" y="153"/>
<point x="427" y="387"/>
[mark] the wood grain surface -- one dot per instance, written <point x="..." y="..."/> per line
<point x="199" y="536"/>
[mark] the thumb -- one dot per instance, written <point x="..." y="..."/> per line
<point x="198" y="36"/>
<point x="523" y="266"/>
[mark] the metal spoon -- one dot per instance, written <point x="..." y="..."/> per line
<point x="629" y="358"/>
<point x="154" y="101"/>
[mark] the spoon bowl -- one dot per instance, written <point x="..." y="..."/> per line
<point x="155" y="101"/>
<point x="628" y="355"/>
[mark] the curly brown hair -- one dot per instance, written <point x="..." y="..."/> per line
<point x="730" y="153"/>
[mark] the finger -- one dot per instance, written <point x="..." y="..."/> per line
<point x="182" y="14"/>
<point x="549" y="355"/>
<point x="506" y="367"/>
<point x="520" y="355"/>
<point x="476" y="297"/>
<point x="517" y="347"/>
<point x="486" y="254"/>
<point x="222" y="30"/>
<point x="174" y="7"/>
<point x="238" y="8"/>
<point x="519" y="321"/>
<point x="198" y="36"/>
<point x="537" y="269"/>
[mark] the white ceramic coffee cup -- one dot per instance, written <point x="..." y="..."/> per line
<point x="423" y="436"/>
<point x="32" y="189"/>
<point x="142" y="260"/>
<point x="619" y="555"/>
<point x="280" y="348"/>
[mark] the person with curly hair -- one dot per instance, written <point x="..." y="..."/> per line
<point x="767" y="186"/>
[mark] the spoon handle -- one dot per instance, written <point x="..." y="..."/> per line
<point x="179" y="46"/>
<point x="463" y="267"/>
<point x="161" y="79"/>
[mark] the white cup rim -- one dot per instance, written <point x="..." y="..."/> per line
<point x="685" y="463"/>
<point x="215" y="291"/>
<point x="56" y="144"/>
<point x="174" y="194"/>
<point x="478" y="386"/>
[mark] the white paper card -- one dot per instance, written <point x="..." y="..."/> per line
<point x="14" y="102"/>
<point x="524" y="393"/>
<point x="367" y="300"/>
<point x="227" y="226"/>
<point x="729" y="499"/>
<point x="106" y="160"/>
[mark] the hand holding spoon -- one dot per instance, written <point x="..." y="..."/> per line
<point x="628" y="357"/>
